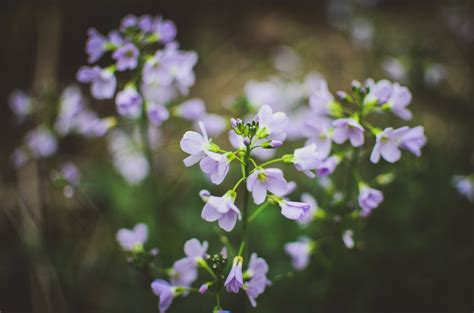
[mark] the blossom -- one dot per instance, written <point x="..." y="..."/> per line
<point x="235" y="279"/>
<point x="72" y="104"/>
<point x="129" y="103"/>
<point x="132" y="239"/>
<point x="320" y="101"/>
<point x="321" y="136"/>
<point x="347" y="239"/>
<point x="399" y="99"/>
<point x="263" y="180"/>
<point x="379" y="92"/>
<point x="165" y="291"/>
<point x="165" y="30"/>
<point x="195" y="250"/>
<point x="294" y="210"/>
<point x="95" y="45"/>
<point x="347" y="128"/>
<point x="128" y="21"/>
<point x="313" y="207"/>
<point x="183" y="273"/>
<point x="215" y="124"/>
<point x="327" y="166"/>
<point x="126" y="57"/>
<point x="465" y="186"/>
<point x="103" y="81"/>
<point x="192" y="109"/>
<point x="272" y="126"/>
<point x="195" y="145"/>
<point x="257" y="283"/>
<point x="413" y="140"/>
<point x="264" y="93"/>
<point x="20" y="103"/>
<point x="70" y="173"/>
<point x="157" y="113"/>
<point x="387" y="145"/>
<point x="306" y="159"/>
<point x="216" y="166"/>
<point x="223" y="210"/>
<point x="41" y="142"/>
<point x="369" y="199"/>
<point x="395" y="69"/>
<point x="299" y="251"/>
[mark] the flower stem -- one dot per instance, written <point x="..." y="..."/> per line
<point x="246" y="202"/>
<point x="271" y="162"/>
<point x="258" y="211"/>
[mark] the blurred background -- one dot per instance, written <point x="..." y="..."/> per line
<point x="416" y="252"/>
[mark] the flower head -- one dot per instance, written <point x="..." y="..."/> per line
<point x="413" y="140"/>
<point x="294" y="210"/>
<point x="263" y="180"/>
<point x="347" y="128"/>
<point x="272" y="126"/>
<point x="95" y="46"/>
<point x="235" y="279"/>
<point x="157" y="113"/>
<point x="41" y="142"/>
<point x="129" y="103"/>
<point x="299" y="251"/>
<point x="387" y="145"/>
<point x="369" y="199"/>
<point x="195" y="250"/>
<point x="126" y="57"/>
<point x="399" y="99"/>
<point x="192" y="109"/>
<point x="347" y="239"/>
<point x="20" y="103"/>
<point x="327" y="166"/>
<point x="216" y="166"/>
<point x="321" y="99"/>
<point x="103" y="81"/>
<point x="257" y="274"/>
<point x="379" y="92"/>
<point x="165" y="291"/>
<point x="306" y="159"/>
<point x="196" y="145"/>
<point x="132" y="239"/>
<point x="313" y="207"/>
<point x="223" y="210"/>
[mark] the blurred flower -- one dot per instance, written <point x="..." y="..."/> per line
<point x="72" y="103"/>
<point x="216" y="166"/>
<point x="395" y="69"/>
<point x="41" y="142"/>
<point x="387" y="145"/>
<point x="133" y="239"/>
<point x="286" y="60"/>
<point x="192" y="109"/>
<point x="126" y="57"/>
<point x="235" y="279"/>
<point x="294" y="210"/>
<point x="306" y="159"/>
<point x="95" y="45"/>
<point x="379" y="92"/>
<point x="465" y="186"/>
<point x="313" y="207"/>
<point x="20" y="103"/>
<point x="322" y="137"/>
<point x="183" y="273"/>
<point x="195" y="250"/>
<point x="103" y="81"/>
<point x="347" y="239"/>
<point x="165" y="30"/>
<point x="129" y="103"/>
<point x="257" y="275"/>
<point x="272" y="126"/>
<point x="195" y="145"/>
<point x="327" y="166"/>
<point x="263" y="180"/>
<point x="434" y="74"/>
<point x="215" y="124"/>
<point x="413" y="140"/>
<point x="399" y="99"/>
<point x="362" y="32"/>
<point x="369" y="199"/>
<point x="157" y="113"/>
<point x="347" y="128"/>
<point x="320" y="101"/>
<point x="223" y="210"/>
<point x="19" y="157"/>
<point x="165" y="291"/>
<point x="300" y="251"/>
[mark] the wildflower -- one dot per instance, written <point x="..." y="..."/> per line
<point x="388" y="144"/>
<point x="327" y="166"/>
<point x="126" y="57"/>
<point x="272" y="126"/>
<point x="369" y="199"/>
<point x="306" y="159"/>
<point x="257" y="278"/>
<point x="103" y="81"/>
<point x="72" y="104"/>
<point x="347" y="239"/>
<point x="41" y="142"/>
<point x="203" y="289"/>
<point x="263" y="180"/>
<point x="223" y="210"/>
<point x="313" y="207"/>
<point x="157" y="113"/>
<point x="20" y="103"/>
<point x="215" y="124"/>
<point x="465" y="186"/>
<point x="294" y="210"/>
<point x="194" y="250"/>
<point x="165" y="291"/>
<point x="192" y="109"/>
<point x="183" y="273"/>
<point x="413" y="140"/>
<point x="235" y="279"/>
<point x="300" y="251"/>
<point x="399" y="99"/>
<point x="216" y="166"/>
<point x="129" y="103"/>
<point x="379" y="92"/>
<point x="347" y="128"/>
<point x="96" y="45"/>
<point x="132" y="239"/>
<point x="196" y="145"/>
<point x="321" y="100"/>
<point x="165" y="30"/>
<point x="321" y="136"/>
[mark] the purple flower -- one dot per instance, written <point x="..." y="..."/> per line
<point x="223" y="210"/>
<point x="327" y="166"/>
<point x="347" y="128"/>
<point x="263" y="180"/>
<point x="196" y="145"/>
<point x="399" y="100"/>
<point x="465" y="186"/>
<point x="72" y="104"/>
<point x="129" y="103"/>
<point x="103" y="81"/>
<point x="203" y="289"/>
<point x="294" y="210"/>
<point x="306" y="159"/>
<point x="272" y="126"/>
<point x="235" y="280"/>
<point x="258" y="282"/>
<point x="215" y="124"/>
<point x="369" y="199"/>
<point x="264" y="93"/>
<point x="20" y="103"/>
<point x="126" y="57"/>
<point x="347" y="239"/>
<point x="313" y="207"/>
<point x="132" y="239"/>
<point x="165" y="291"/>
<point x="145" y="23"/>
<point x="157" y="113"/>
<point x="183" y="273"/>
<point x="387" y="145"/>
<point x="128" y="21"/>
<point x="321" y="136"/>
<point x="216" y="166"/>
<point x="41" y="142"/>
<point x="320" y="101"/>
<point x="70" y="173"/>
<point x="299" y="251"/>
<point x="413" y="140"/>
<point x="95" y="46"/>
<point x="379" y="92"/>
<point x="192" y="109"/>
<point x="194" y="250"/>
<point x="165" y="30"/>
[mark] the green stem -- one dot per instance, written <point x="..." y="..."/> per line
<point x="246" y="202"/>
<point x="271" y="162"/>
<point x="258" y="211"/>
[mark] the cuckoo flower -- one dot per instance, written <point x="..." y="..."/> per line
<point x="263" y="180"/>
<point x="192" y="109"/>
<point x="257" y="274"/>
<point x="313" y="207"/>
<point x="294" y="210"/>
<point x="103" y="81"/>
<point x="223" y="210"/>
<point x="321" y="136"/>
<point x="196" y="145"/>
<point x="235" y="279"/>
<point x="216" y="166"/>
<point x="399" y="99"/>
<point x="327" y="166"/>
<point x="387" y="145"/>
<point x="413" y="140"/>
<point x="194" y="250"/>
<point x="465" y="186"/>
<point x="299" y="251"/>
<point x="129" y="103"/>
<point x="347" y="239"/>
<point x="126" y="57"/>
<point x="164" y="30"/>
<point x="272" y="126"/>
<point x="321" y="100"/>
<point x="41" y="142"/>
<point x="347" y="128"/>
<point x="379" y="92"/>
<point x="165" y="292"/>
<point x="95" y="46"/>
<point x="132" y="239"/>
<point x="306" y="159"/>
<point x="184" y="271"/>
<point x="369" y="199"/>
<point x="157" y="113"/>
<point x="20" y="103"/>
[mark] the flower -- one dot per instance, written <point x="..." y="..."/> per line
<point x="348" y="128"/>
<point x="129" y="103"/>
<point x="257" y="274"/>
<point x="321" y="136"/>
<point x="313" y="207"/>
<point x="70" y="173"/>
<point x="195" y="144"/>
<point x="203" y="289"/>
<point x="294" y="210"/>
<point x="347" y="239"/>
<point x="263" y="180"/>
<point x="192" y="109"/>
<point x="126" y="57"/>
<point x="299" y="251"/>
<point x="223" y="210"/>
<point x="132" y="239"/>
<point x="103" y="81"/>
<point x="327" y="167"/>
<point x="41" y="142"/>
<point x="216" y="166"/>
<point x="465" y="186"/>
<point x="72" y="104"/>
<point x="165" y="30"/>
<point x="157" y="113"/>
<point x="128" y="21"/>
<point x="165" y="291"/>
<point x="387" y="145"/>
<point x="272" y="126"/>
<point x="306" y="159"/>
<point x="183" y="273"/>
<point x="379" y="92"/>
<point x="195" y="250"/>
<point x="399" y="99"/>
<point x="95" y="45"/>
<point x="369" y="199"/>
<point x="20" y="103"/>
<point x="215" y="124"/>
<point x="235" y="280"/>
<point x="320" y="101"/>
<point x="413" y="140"/>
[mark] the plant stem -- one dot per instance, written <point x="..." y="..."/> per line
<point x="246" y="201"/>
<point x="258" y="211"/>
